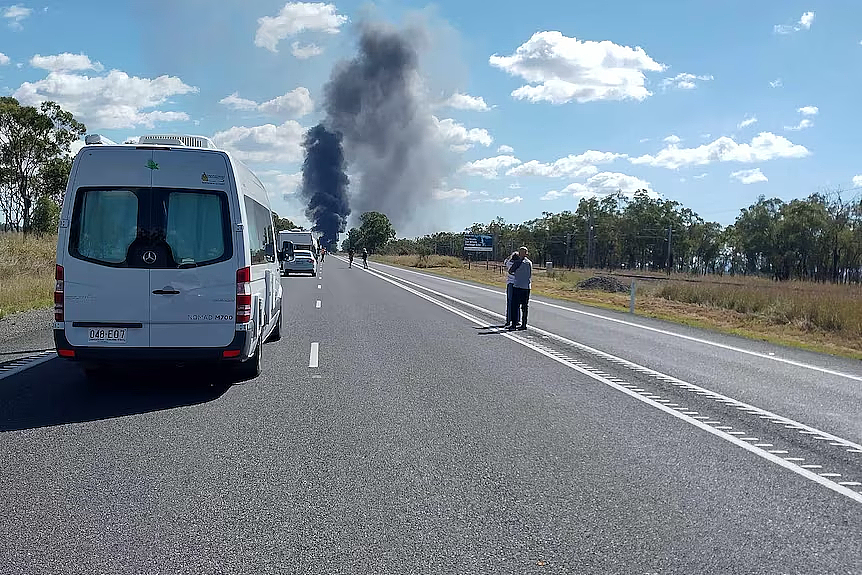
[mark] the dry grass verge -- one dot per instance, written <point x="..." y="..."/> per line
<point x="26" y="272"/>
<point x="819" y="317"/>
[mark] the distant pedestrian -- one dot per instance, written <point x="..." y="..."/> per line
<point x="523" y="272"/>
<point x="510" y="281"/>
<point x="350" y="257"/>
<point x="365" y="258"/>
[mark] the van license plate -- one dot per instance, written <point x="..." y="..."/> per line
<point x="108" y="335"/>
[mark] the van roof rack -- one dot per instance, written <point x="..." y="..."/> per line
<point x="98" y="140"/>
<point x="177" y="140"/>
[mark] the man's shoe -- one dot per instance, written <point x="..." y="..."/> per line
<point x="523" y="327"/>
<point x="512" y="327"/>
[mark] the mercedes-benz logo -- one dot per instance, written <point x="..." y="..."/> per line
<point x="149" y="257"/>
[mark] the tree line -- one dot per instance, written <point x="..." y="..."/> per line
<point x="35" y="162"/>
<point x="815" y="238"/>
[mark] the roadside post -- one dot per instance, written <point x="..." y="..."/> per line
<point x="632" y="299"/>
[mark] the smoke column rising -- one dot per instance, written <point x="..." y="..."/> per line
<point x="324" y="183"/>
<point x="392" y="144"/>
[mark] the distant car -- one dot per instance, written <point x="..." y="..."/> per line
<point x="302" y="262"/>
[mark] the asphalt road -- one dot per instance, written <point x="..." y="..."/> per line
<point x="421" y="443"/>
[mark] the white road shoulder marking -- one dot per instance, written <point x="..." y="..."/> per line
<point x="770" y="356"/>
<point x="772" y="457"/>
<point x="313" y="356"/>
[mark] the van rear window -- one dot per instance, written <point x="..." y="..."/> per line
<point x="150" y="228"/>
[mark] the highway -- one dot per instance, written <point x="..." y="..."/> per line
<point x="395" y="430"/>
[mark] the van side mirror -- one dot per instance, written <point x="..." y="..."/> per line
<point x="269" y="250"/>
<point x="287" y="249"/>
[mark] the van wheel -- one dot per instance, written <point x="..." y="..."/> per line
<point x="250" y="368"/>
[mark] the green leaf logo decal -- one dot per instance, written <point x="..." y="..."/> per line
<point x="152" y="165"/>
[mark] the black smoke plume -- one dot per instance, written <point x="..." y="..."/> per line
<point x="390" y="137"/>
<point x="324" y="183"/>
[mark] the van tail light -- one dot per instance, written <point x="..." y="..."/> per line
<point x="59" y="290"/>
<point x="243" y="295"/>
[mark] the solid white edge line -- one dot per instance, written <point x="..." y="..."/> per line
<point x="313" y="356"/>
<point x="833" y="486"/>
<point x="636" y="367"/>
<point x="28" y="365"/>
<point x="648" y="328"/>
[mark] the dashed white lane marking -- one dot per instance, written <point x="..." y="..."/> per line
<point x="769" y="455"/>
<point x="313" y="356"/>
<point x="317" y="305"/>
<point x="626" y="363"/>
<point x="770" y="356"/>
<point x="319" y="286"/>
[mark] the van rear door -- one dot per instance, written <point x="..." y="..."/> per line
<point x="193" y="290"/>
<point x="106" y="294"/>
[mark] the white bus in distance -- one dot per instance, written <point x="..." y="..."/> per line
<point x="165" y="253"/>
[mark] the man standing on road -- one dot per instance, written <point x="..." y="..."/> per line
<point x="365" y="258"/>
<point x="350" y="257"/>
<point x="522" y="270"/>
<point x="510" y="282"/>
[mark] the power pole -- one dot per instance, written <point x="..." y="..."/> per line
<point x="590" y="247"/>
<point x="568" y="245"/>
<point x="669" y="246"/>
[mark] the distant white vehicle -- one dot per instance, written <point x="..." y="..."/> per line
<point x="303" y="261"/>
<point x="289" y="240"/>
<point x="165" y="252"/>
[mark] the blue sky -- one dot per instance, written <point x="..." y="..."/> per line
<point x="588" y="97"/>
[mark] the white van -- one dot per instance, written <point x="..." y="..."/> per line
<point x="165" y="252"/>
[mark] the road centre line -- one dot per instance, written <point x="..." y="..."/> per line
<point x="317" y="305"/>
<point x="633" y="366"/>
<point x="648" y="328"/>
<point x="823" y="481"/>
<point x="313" y="356"/>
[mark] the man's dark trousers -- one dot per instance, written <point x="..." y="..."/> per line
<point x="520" y="301"/>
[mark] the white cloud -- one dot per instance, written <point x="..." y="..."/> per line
<point x="305" y="51"/>
<point x="237" y="103"/>
<point x="294" y="104"/>
<point x="803" y="124"/>
<point x="453" y="194"/>
<point x="459" y="137"/>
<point x="15" y="15"/>
<point x="4" y="59"/>
<point x="504" y="149"/>
<point x="749" y="176"/>
<point x="602" y="184"/>
<point x="684" y="81"/>
<point x="644" y="140"/>
<point x="296" y="17"/>
<point x="857" y="181"/>
<point x="706" y="136"/>
<point x="504" y="200"/>
<point x="280" y="184"/>
<point x="804" y="24"/>
<point x="514" y="186"/>
<point x="266" y="143"/>
<point x="748" y="121"/>
<point x="560" y="69"/>
<point x="700" y="176"/>
<point x="808" y="110"/>
<point x="673" y="139"/>
<point x="65" y="62"/>
<point x="113" y="101"/>
<point x="777" y="83"/>
<point x="466" y="102"/>
<point x="763" y="147"/>
<point x="571" y="166"/>
<point x="489" y="167"/>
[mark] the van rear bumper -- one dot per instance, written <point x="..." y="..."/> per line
<point x="152" y="354"/>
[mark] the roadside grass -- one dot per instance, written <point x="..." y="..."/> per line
<point x="26" y="272"/>
<point x="826" y="318"/>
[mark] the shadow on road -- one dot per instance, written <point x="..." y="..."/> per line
<point x="56" y="393"/>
